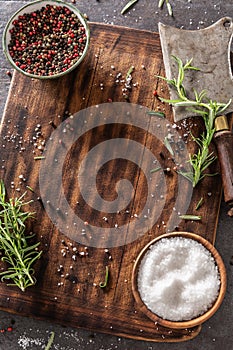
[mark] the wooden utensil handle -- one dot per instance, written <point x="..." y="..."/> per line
<point x="224" y="144"/>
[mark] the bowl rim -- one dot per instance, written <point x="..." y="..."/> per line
<point x="199" y="319"/>
<point x="35" y="3"/>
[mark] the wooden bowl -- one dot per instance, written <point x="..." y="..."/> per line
<point x="184" y="323"/>
<point x="33" y="7"/>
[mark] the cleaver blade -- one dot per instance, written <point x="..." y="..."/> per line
<point x="210" y="50"/>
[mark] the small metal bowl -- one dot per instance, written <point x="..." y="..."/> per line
<point x="34" y="6"/>
<point x="184" y="323"/>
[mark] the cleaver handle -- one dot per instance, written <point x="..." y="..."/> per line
<point x="224" y="144"/>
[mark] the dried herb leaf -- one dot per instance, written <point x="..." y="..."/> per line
<point x="155" y="169"/>
<point x="161" y="2"/>
<point x="190" y="217"/>
<point x="130" y="71"/>
<point x="199" y="204"/>
<point x="39" y="157"/>
<point x="128" y="5"/>
<point x="169" y="8"/>
<point x="30" y="188"/>
<point x="104" y="284"/>
<point x="157" y="114"/>
<point x="168" y="145"/>
<point x="50" y="342"/>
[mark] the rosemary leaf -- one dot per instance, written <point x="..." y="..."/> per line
<point x="169" y="8"/>
<point x="190" y="217"/>
<point x="157" y="114"/>
<point x="30" y="188"/>
<point x="155" y="170"/>
<point x="130" y="71"/>
<point x="168" y="145"/>
<point x="161" y="2"/>
<point x="197" y="111"/>
<point x="50" y="342"/>
<point x="169" y="101"/>
<point x="185" y="103"/>
<point x="199" y="204"/>
<point x="224" y="107"/>
<point x="187" y="175"/>
<point x="39" y="157"/>
<point x="128" y="6"/>
<point x="104" y="284"/>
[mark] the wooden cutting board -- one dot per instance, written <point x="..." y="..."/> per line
<point x="67" y="289"/>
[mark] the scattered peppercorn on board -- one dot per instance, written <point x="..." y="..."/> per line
<point x="68" y="274"/>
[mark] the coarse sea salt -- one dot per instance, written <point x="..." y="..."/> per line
<point x="178" y="279"/>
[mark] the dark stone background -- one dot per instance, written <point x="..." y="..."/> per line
<point x="217" y="333"/>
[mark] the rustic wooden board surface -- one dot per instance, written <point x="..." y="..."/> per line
<point x="76" y="299"/>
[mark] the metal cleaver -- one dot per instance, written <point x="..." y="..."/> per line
<point x="210" y="50"/>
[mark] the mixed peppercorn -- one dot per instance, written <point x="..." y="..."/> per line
<point x="47" y="41"/>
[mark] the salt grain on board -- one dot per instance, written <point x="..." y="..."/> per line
<point x="25" y="342"/>
<point x="178" y="279"/>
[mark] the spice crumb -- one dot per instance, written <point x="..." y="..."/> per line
<point x="9" y="73"/>
<point x="230" y="212"/>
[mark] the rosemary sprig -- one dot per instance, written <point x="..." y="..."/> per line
<point x="207" y="109"/>
<point x="17" y="251"/>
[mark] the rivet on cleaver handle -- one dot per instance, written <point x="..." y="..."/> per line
<point x="210" y="50"/>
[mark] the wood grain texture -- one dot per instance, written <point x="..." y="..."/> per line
<point x="224" y="145"/>
<point x="67" y="291"/>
